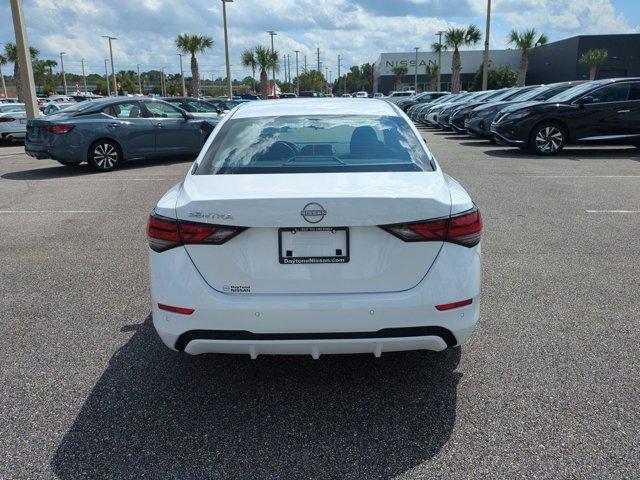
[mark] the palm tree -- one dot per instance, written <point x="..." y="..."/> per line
<point x="11" y="54"/>
<point x="432" y="72"/>
<point x="399" y="72"/>
<point x="456" y="38"/>
<point x="249" y="60"/>
<point x="525" y="42"/>
<point x="39" y="70"/>
<point x="193" y="44"/>
<point x="266" y="60"/>
<point x="593" y="59"/>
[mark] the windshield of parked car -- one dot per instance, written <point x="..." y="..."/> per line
<point x="573" y="93"/>
<point x="315" y="144"/>
<point x="11" y="108"/>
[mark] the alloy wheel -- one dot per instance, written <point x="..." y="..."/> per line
<point x="549" y="139"/>
<point x="105" y="156"/>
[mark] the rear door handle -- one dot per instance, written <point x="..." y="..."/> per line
<point x="624" y="111"/>
<point x="114" y="125"/>
<point x="159" y="125"/>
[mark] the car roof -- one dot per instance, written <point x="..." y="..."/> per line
<point x="315" y="106"/>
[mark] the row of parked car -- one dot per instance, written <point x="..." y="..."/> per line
<point x="540" y="118"/>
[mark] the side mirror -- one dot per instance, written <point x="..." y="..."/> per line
<point x="585" y="101"/>
<point x="187" y="115"/>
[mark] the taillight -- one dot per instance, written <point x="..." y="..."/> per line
<point x="7" y="119"/>
<point x="165" y="233"/>
<point x="58" y="128"/>
<point x="464" y="229"/>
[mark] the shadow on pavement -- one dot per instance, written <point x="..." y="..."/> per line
<point x="155" y="413"/>
<point x="632" y="153"/>
<point x="60" y="171"/>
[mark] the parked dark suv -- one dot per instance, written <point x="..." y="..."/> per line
<point x="600" y="112"/>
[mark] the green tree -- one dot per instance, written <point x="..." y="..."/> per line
<point x="192" y="45"/>
<point x="432" y="71"/>
<point x="399" y="72"/>
<point x="593" y="59"/>
<point x="11" y="54"/>
<point x="525" y="42"/>
<point x="266" y="60"/>
<point x="455" y="38"/>
<point x="312" y="80"/>
<point x="500" y="77"/>
<point x="249" y="59"/>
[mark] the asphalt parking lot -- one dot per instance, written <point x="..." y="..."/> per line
<point x="548" y="386"/>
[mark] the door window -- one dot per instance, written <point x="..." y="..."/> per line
<point x="163" y="110"/>
<point x="123" y="110"/>
<point x="618" y="92"/>
<point x="634" y="91"/>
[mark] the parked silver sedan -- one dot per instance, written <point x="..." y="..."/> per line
<point x="13" y="121"/>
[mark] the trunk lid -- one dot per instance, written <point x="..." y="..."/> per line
<point x="252" y="262"/>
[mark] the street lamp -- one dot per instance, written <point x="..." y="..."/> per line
<point x="64" y="77"/>
<point x="439" y="34"/>
<point x="84" y="77"/>
<point x="297" y="74"/>
<point x="415" y="80"/>
<point x="272" y="33"/>
<point x="139" y="81"/>
<point x="485" y="66"/>
<point x="162" y="83"/>
<point x="184" y="88"/>
<point x="106" y="75"/>
<point x="226" y="46"/>
<point x="113" y="70"/>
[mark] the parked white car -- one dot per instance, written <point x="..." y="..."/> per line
<point x="315" y="226"/>
<point x="13" y="121"/>
<point x="361" y="95"/>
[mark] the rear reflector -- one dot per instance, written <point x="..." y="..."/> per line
<point x="463" y="229"/>
<point x="450" y="306"/>
<point x="58" y="128"/>
<point x="170" y="308"/>
<point x="165" y="233"/>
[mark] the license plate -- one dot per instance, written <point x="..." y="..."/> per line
<point x="305" y="245"/>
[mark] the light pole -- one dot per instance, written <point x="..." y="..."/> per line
<point x="64" y="77"/>
<point x="326" y="79"/>
<point x="272" y="33"/>
<point x="113" y="69"/>
<point x="162" y="84"/>
<point x="297" y="74"/>
<point x="106" y="75"/>
<point x="485" y="66"/>
<point x="439" y="34"/>
<point x="84" y="77"/>
<point x="318" y="53"/>
<point x="4" y="85"/>
<point x="339" y="65"/>
<point x="28" y="86"/>
<point x="184" y="87"/>
<point x="226" y="46"/>
<point x="139" y="81"/>
<point x="415" y="79"/>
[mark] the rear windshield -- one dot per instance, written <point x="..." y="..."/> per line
<point x="307" y="144"/>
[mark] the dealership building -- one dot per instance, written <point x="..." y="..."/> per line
<point x="554" y="62"/>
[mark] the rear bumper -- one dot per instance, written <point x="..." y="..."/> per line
<point x="318" y="324"/>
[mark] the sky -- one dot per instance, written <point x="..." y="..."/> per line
<point x="358" y="30"/>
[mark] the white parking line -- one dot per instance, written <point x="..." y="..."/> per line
<point x="612" y="211"/>
<point x="583" y="176"/>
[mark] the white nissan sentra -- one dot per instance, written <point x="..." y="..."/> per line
<point x="315" y="226"/>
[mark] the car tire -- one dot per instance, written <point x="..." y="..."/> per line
<point x="68" y="164"/>
<point x="104" y="155"/>
<point x="548" y="138"/>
